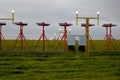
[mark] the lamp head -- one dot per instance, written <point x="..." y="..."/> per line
<point x="77" y="17"/>
<point x="60" y="29"/>
<point x="77" y="12"/>
<point x="69" y="29"/>
<point x="13" y="11"/>
<point x="98" y="12"/>
<point x="13" y="16"/>
<point x="98" y="17"/>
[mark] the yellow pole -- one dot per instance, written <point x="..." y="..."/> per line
<point x="76" y="19"/>
<point x="12" y="16"/>
<point x="87" y="38"/>
<point x="98" y="18"/>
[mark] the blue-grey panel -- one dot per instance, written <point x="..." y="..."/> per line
<point x="82" y="40"/>
<point x="71" y="39"/>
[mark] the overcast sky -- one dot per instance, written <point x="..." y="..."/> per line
<point x="59" y="11"/>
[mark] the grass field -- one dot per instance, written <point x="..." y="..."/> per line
<point x="58" y="65"/>
<point x="95" y="45"/>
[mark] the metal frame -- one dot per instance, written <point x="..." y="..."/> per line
<point x="42" y="37"/>
<point x="21" y="36"/>
<point x="64" y="37"/>
<point x="87" y="29"/>
<point x="12" y="18"/>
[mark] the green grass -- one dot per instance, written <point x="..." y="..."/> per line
<point x="49" y="45"/>
<point x="59" y="66"/>
<point x="99" y="45"/>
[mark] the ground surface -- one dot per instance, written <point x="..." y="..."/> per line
<point x="59" y="66"/>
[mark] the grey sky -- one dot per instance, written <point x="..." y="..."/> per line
<point x="57" y="11"/>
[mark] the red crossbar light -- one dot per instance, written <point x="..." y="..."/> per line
<point x="109" y="25"/>
<point x="43" y="24"/>
<point x="1" y="23"/>
<point x="20" y="23"/>
<point x="65" y="24"/>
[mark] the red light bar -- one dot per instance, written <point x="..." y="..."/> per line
<point x="65" y="24"/>
<point x="20" y="23"/>
<point x="42" y="24"/>
<point x="2" y="23"/>
<point x="109" y="25"/>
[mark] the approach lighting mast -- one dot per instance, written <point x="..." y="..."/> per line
<point x="87" y="29"/>
<point x="43" y="36"/>
<point x="1" y="35"/>
<point x="64" y="37"/>
<point x="21" y="36"/>
<point x="109" y="40"/>
<point x="90" y="39"/>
